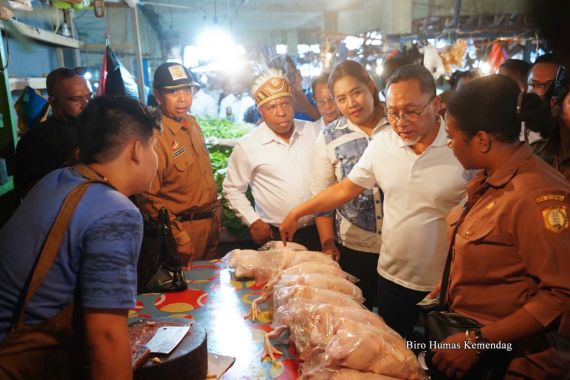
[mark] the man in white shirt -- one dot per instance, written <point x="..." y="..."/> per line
<point x="234" y="106"/>
<point x="325" y="100"/>
<point x="421" y="180"/>
<point x="274" y="160"/>
<point x="203" y="104"/>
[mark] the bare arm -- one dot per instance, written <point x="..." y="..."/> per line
<point x="325" y="226"/>
<point x="329" y="199"/>
<point x="109" y="347"/>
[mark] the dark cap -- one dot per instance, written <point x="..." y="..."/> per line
<point x="171" y="76"/>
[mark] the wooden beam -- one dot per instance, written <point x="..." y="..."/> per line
<point x="43" y="35"/>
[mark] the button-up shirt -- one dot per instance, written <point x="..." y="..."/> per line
<point x="358" y="223"/>
<point x="419" y="190"/>
<point x="277" y="172"/>
<point x="512" y="251"/>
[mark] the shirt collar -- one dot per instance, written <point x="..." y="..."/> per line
<point x="348" y="124"/>
<point x="440" y="139"/>
<point x="175" y="126"/>
<point x="506" y="172"/>
<point x="267" y="135"/>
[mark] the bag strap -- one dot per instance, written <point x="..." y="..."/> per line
<point x="445" y="278"/>
<point x="55" y="237"/>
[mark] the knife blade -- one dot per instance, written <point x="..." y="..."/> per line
<point x="163" y="342"/>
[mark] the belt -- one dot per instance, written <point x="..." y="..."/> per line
<point x="189" y="216"/>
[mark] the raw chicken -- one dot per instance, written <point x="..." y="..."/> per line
<point x="262" y="265"/>
<point x="313" y="324"/>
<point x="315" y="280"/>
<point x="369" y="349"/>
<point x="324" y="267"/>
<point x="276" y="245"/>
<point x="344" y="374"/>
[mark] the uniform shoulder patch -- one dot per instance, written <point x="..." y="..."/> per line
<point x="555" y="219"/>
<point x="550" y="197"/>
<point x="178" y="152"/>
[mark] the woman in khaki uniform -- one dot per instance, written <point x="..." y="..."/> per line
<point x="511" y="263"/>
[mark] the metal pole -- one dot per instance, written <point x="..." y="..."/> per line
<point x="456" y="14"/>
<point x="138" y="55"/>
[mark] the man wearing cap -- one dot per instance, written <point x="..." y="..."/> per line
<point x="184" y="183"/>
<point x="52" y="145"/>
<point x="274" y="160"/>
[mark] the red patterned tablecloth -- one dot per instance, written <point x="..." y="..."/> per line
<point x="218" y="303"/>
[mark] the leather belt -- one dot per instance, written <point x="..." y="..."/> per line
<point x="189" y="216"/>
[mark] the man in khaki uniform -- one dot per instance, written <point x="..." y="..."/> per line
<point x="184" y="183"/>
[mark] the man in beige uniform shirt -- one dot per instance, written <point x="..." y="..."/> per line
<point x="184" y="183"/>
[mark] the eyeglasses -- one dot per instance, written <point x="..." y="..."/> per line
<point x="324" y="101"/>
<point x="543" y="85"/>
<point x="394" y="117"/>
<point x="80" y="99"/>
<point x="61" y="73"/>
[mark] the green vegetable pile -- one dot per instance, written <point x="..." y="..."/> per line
<point x="215" y="128"/>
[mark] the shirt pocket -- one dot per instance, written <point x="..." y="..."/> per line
<point x="182" y="163"/>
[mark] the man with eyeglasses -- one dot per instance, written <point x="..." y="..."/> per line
<point x="325" y="100"/>
<point x="421" y="180"/>
<point x="53" y="144"/>
<point x="274" y="160"/>
<point x="542" y="75"/>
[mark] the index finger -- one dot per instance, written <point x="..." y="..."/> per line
<point x="284" y="236"/>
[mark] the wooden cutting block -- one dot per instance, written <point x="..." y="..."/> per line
<point x="189" y="360"/>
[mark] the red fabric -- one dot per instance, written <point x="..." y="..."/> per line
<point x="103" y="75"/>
<point x="497" y="56"/>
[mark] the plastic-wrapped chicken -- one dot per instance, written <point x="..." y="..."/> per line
<point x="277" y="245"/>
<point x="345" y="374"/>
<point x="315" y="280"/>
<point x="262" y="265"/>
<point x="324" y="267"/>
<point x="282" y="296"/>
<point x="250" y="264"/>
<point x="313" y="324"/>
<point x="366" y="348"/>
<point x="322" y="281"/>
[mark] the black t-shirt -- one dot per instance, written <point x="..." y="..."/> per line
<point x="41" y="150"/>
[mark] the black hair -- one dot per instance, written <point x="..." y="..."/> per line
<point x="458" y="74"/>
<point x="491" y="104"/>
<point x="358" y="72"/>
<point x="417" y="72"/>
<point x="108" y="123"/>
<point x="322" y="79"/>
<point x="391" y="65"/>
<point x="280" y="62"/>
<point x="517" y="66"/>
<point x="553" y="58"/>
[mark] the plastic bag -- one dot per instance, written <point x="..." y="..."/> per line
<point x="159" y="267"/>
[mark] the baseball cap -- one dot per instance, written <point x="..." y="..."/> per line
<point x="171" y="76"/>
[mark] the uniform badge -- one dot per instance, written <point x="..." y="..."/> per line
<point x="550" y="197"/>
<point x="175" y="145"/>
<point x="490" y="205"/>
<point x="555" y="219"/>
<point x="177" y="72"/>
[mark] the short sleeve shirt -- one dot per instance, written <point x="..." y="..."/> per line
<point x="98" y="255"/>
<point x="419" y="190"/>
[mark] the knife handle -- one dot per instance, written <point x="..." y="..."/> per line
<point x="140" y="357"/>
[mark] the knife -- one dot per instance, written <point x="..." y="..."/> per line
<point x="163" y="342"/>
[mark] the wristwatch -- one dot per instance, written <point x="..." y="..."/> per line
<point x="480" y="338"/>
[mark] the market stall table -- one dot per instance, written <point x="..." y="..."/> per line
<point x="219" y="302"/>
